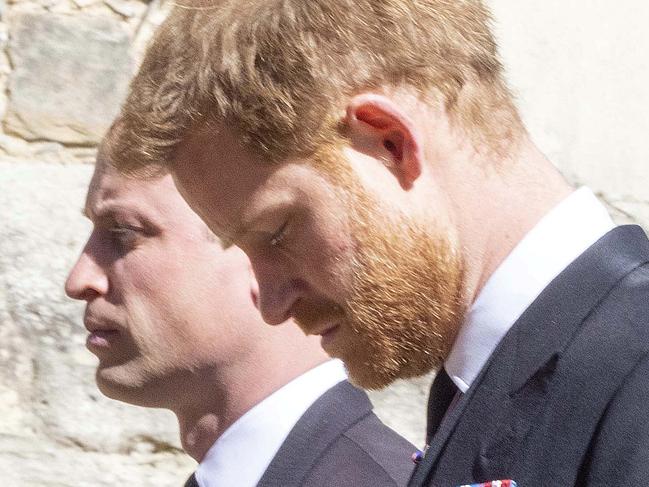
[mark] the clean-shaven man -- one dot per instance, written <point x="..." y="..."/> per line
<point x="369" y="159"/>
<point x="171" y="317"/>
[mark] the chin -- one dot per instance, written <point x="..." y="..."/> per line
<point x="377" y="378"/>
<point x="377" y="367"/>
<point x="124" y="386"/>
<point x="369" y="378"/>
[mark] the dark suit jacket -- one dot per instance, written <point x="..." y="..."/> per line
<point x="339" y="442"/>
<point x="564" y="399"/>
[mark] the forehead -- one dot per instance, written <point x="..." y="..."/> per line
<point x="229" y="187"/>
<point x="110" y="192"/>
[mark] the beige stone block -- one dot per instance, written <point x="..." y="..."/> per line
<point x="69" y="78"/>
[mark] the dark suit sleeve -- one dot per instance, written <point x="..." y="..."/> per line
<point x="620" y="453"/>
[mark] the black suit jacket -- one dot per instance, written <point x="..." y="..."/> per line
<point x="564" y="399"/>
<point x="339" y="442"/>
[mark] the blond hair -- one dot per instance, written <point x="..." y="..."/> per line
<point x="278" y="72"/>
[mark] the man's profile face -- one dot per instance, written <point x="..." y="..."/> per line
<point x="383" y="294"/>
<point x="164" y="300"/>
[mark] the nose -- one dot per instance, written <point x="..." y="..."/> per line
<point x="278" y="292"/>
<point x="86" y="279"/>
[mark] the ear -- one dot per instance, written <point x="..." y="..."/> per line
<point x="378" y="127"/>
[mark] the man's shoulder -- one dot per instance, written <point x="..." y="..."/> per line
<point x="613" y="341"/>
<point x="366" y="455"/>
<point x="633" y="296"/>
<point x="626" y="309"/>
<point x="366" y="452"/>
<point x="603" y="376"/>
<point x="571" y="375"/>
<point x="339" y="441"/>
<point x="619" y="265"/>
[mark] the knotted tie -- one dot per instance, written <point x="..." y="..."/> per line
<point x="442" y="393"/>
<point x="191" y="481"/>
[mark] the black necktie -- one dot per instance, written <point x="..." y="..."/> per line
<point x="191" y="481"/>
<point x="442" y="393"/>
<point x="441" y="396"/>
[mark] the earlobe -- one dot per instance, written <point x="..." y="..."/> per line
<point x="378" y="127"/>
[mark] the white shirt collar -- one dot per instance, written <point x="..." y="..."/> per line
<point x="559" y="238"/>
<point x="241" y="455"/>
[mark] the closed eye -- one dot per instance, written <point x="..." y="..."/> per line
<point x="124" y="236"/>
<point x="123" y="229"/>
<point x="278" y="237"/>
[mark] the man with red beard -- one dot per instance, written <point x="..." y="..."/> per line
<point x="369" y="159"/>
<point x="172" y="320"/>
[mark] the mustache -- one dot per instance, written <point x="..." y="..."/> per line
<point x="97" y="321"/>
<point x="309" y="315"/>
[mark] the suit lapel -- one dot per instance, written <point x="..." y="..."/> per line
<point x="552" y="320"/>
<point x="512" y="383"/>
<point x="313" y="434"/>
<point x="438" y="441"/>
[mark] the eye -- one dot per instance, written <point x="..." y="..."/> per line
<point x="124" y="236"/>
<point x="278" y="237"/>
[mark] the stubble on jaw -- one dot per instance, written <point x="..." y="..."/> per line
<point x="406" y="303"/>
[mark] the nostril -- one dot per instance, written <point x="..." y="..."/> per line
<point x="70" y="289"/>
<point x="273" y="312"/>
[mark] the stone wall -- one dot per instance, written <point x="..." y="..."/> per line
<point x="64" y="67"/>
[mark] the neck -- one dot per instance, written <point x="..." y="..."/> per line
<point x="204" y="418"/>
<point x="198" y="434"/>
<point x="209" y="406"/>
<point x="500" y="206"/>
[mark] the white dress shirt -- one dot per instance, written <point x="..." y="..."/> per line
<point x="558" y="239"/>
<point x="241" y="455"/>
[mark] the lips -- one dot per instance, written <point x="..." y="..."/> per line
<point x="102" y="332"/>
<point x="328" y="335"/>
<point x="101" y="339"/>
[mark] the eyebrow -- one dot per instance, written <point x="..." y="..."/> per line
<point x="110" y="210"/>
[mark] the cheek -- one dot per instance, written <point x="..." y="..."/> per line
<point x="148" y="281"/>
<point x="326" y="263"/>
